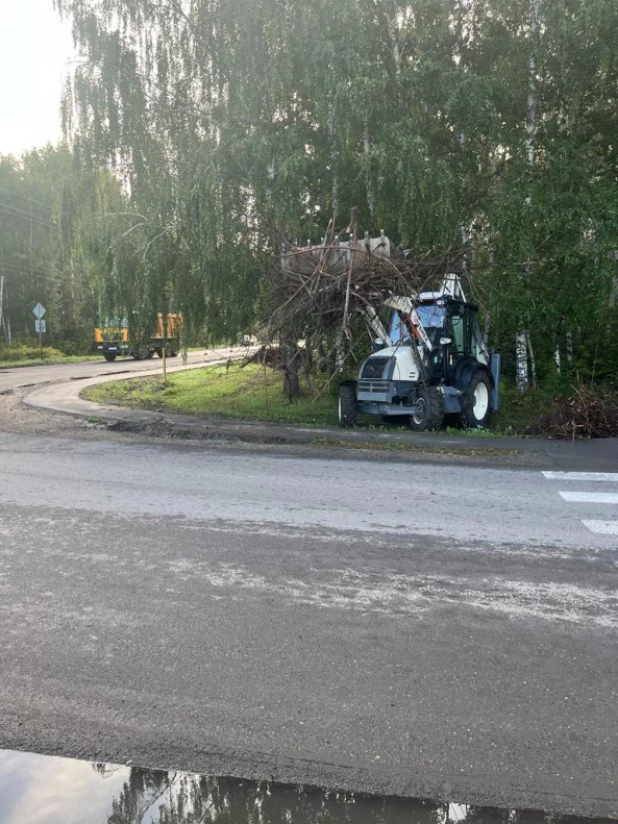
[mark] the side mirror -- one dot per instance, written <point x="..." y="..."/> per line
<point x="444" y="341"/>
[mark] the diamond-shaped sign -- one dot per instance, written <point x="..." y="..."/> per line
<point x="39" y="311"/>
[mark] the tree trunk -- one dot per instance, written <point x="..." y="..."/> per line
<point x="339" y="353"/>
<point x="395" y="50"/>
<point x="569" y="347"/>
<point x="521" y="361"/>
<point x="486" y="330"/>
<point x="557" y="359"/>
<point x="532" y="360"/>
<point x="523" y="334"/>
<point x="291" y="382"/>
<point x="334" y="156"/>
<point x="533" y="91"/>
<point x="367" y="149"/>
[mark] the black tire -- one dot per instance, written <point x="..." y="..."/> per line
<point x="172" y="353"/>
<point x="348" y="407"/>
<point x="160" y="352"/>
<point x="476" y="401"/>
<point x="429" y="409"/>
<point x="109" y="356"/>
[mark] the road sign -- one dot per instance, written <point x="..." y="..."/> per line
<point x="39" y="311"/>
<point x="40" y="326"/>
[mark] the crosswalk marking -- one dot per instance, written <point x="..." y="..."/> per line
<point x="598" y="527"/>
<point x="590" y="497"/>
<point x="607" y="477"/>
<point x="602" y="527"/>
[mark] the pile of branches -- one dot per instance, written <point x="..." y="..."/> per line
<point x="588" y="412"/>
<point x="318" y="291"/>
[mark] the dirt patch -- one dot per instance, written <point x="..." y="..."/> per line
<point x="25" y="420"/>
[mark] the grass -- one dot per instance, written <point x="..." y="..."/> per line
<point x="19" y="364"/>
<point x="18" y="360"/>
<point x="255" y="393"/>
<point x="249" y="393"/>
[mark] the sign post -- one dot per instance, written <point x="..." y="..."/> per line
<point x="39" y="324"/>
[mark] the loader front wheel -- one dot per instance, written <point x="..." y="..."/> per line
<point x="429" y="409"/>
<point x="476" y="401"/>
<point x="348" y="407"/>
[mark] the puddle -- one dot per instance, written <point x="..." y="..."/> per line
<point x="38" y="789"/>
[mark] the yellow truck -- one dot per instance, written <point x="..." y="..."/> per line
<point x="112" y="338"/>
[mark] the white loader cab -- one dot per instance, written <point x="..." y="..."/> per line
<point x="431" y="362"/>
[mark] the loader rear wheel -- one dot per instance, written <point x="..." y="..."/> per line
<point x="476" y="401"/>
<point x="348" y="407"/>
<point x="429" y="409"/>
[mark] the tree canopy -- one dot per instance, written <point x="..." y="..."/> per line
<point x="235" y="126"/>
<point x="52" y="218"/>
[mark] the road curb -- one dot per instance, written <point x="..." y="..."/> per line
<point x="65" y="398"/>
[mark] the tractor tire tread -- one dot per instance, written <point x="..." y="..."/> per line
<point x="467" y="417"/>
<point x="434" y="405"/>
<point x="348" y="406"/>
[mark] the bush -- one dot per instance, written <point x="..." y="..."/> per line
<point x="23" y="352"/>
<point x="587" y="412"/>
<point x="83" y="346"/>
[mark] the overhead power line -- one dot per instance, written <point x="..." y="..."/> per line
<point x="27" y="197"/>
<point x="14" y="211"/>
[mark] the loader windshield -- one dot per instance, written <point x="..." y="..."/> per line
<point x="431" y="317"/>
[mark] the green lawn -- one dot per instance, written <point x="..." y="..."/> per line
<point x="251" y="393"/>
<point x="255" y="393"/>
<point x="56" y="358"/>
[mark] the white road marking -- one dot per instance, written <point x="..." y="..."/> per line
<point x="607" y="477"/>
<point x="602" y="527"/>
<point x="599" y="527"/>
<point x="590" y="497"/>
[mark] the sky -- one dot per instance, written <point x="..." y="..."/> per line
<point x="35" y="50"/>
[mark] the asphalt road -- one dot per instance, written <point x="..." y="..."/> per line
<point x="446" y="631"/>
<point x="19" y="376"/>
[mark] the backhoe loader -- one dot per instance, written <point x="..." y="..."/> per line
<point x="430" y="362"/>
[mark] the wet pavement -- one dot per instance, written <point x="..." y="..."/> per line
<point x="38" y="789"/>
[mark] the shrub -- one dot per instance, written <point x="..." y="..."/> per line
<point x="24" y="352"/>
<point x="587" y="412"/>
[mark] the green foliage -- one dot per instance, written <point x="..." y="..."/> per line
<point x="234" y="126"/>
<point x="23" y="352"/>
<point x="250" y="392"/>
<point x="50" y="222"/>
<point x="26" y="355"/>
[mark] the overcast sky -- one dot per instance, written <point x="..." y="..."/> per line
<point x="34" y="49"/>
